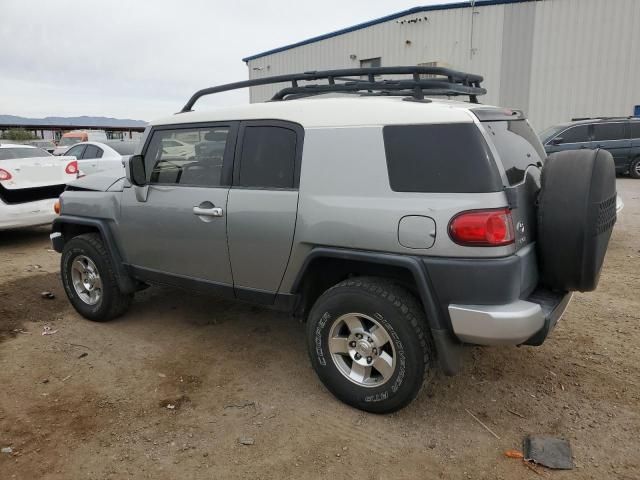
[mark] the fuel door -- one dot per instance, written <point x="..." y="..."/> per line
<point x="416" y="231"/>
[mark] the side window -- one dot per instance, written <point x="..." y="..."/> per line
<point x="371" y="62"/>
<point x="635" y="129"/>
<point x="444" y="158"/>
<point x="198" y="162"/>
<point x="76" y="151"/>
<point x="576" y="134"/>
<point x="99" y="152"/>
<point x="267" y="158"/>
<point x="609" y="131"/>
<point x="91" y="152"/>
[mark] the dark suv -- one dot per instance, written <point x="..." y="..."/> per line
<point x="620" y="136"/>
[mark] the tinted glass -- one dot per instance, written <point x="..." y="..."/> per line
<point x="75" y="151"/>
<point x="609" y="131"/>
<point x="549" y="133"/>
<point x="124" y="148"/>
<point x="439" y="158"/>
<point x="268" y="157"/>
<point x="517" y="145"/>
<point x="92" y="152"/>
<point x="198" y="164"/>
<point x="635" y="129"/>
<point x="68" y="141"/>
<point x="577" y="134"/>
<point x="12" y="153"/>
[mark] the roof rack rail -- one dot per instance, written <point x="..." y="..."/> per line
<point x="442" y="81"/>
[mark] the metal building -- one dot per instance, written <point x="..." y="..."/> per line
<point x="555" y="59"/>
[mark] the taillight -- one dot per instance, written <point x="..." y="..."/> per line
<point x="72" y="168"/>
<point x="482" y="228"/>
<point x="4" y="175"/>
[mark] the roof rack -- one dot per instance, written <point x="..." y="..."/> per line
<point x="441" y="81"/>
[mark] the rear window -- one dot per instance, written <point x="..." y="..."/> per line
<point x="609" y="131"/>
<point x="17" y="152"/>
<point x="439" y="158"/>
<point x="517" y="145"/>
<point x="268" y="157"/>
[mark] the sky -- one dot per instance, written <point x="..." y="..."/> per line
<point x="142" y="59"/>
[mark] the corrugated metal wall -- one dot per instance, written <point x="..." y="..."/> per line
<point x="556" y="59"/>
<point x="585" y="59"/>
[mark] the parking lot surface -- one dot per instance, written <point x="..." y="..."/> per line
<point x="187" y="386"/>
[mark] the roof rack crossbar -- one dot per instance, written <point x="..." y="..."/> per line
<point x="433" y="87"/>
<point x="451" y="81"/>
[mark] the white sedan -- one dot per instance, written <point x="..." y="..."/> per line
<point x="96" y="157"/>
<point x="31" y="180"/>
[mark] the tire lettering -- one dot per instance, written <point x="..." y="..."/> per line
<point x="318" y="338"/>
<point x="378" y="397"/>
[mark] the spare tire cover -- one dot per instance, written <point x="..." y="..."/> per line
<point x="576" y="214"/>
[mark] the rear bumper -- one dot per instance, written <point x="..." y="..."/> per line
<point x="495" y="301"/>
<point x="27" y="214"/>
<point x="522" y="321"/>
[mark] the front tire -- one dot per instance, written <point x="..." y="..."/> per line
<point x="89" y="280"/>
<point x="367" y="343"/>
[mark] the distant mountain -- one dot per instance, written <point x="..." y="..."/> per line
<point x="84" y="120"/>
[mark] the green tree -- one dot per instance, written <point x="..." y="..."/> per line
<point x="18" y="134"/>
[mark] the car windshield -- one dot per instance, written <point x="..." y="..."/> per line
<point x="550" y="132"/>
<point x="44" y="144"/>
<point x="68" y="141"/>
<point x="124" y="148"/>
<point x="12" y="153"/>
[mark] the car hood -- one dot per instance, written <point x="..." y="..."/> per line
<point x="99" y="182"/>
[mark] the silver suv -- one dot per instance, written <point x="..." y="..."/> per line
<point x="399" y="227"/>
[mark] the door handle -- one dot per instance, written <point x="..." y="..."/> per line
<point x="208" y="212"/>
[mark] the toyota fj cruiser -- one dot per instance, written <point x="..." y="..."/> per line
<point x="398" y="227"/>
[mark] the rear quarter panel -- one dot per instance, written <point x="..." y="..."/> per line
<point x="346" y="201"/>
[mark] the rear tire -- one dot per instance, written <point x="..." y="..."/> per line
<point x="368" y="344"/>
<point x="634" y="168"/>
<point x="89" y="280"/>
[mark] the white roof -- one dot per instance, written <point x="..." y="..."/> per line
<point x="14" y="145"/>
<point x="336" y="112"/>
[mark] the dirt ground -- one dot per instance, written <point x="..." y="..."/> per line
<point x="93" y="401"/>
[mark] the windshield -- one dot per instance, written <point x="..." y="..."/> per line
<point x="517" y="145"/>
<point x="124" y="148"/>
<point x="19" y="152"/>
<point x="68" y="141"/>
<point x="43" y="144"/>
<point x="550" y="133"/>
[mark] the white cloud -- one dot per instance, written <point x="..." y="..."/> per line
<point x="143" y="59"/>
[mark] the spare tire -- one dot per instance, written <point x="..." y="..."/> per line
<point x="576" y="214"/>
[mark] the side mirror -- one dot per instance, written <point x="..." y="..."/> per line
<point x="135" y="170"/>
<point x="556" y="141"/>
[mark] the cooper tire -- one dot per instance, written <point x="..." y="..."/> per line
<point x="94" y="291"/>
<point x="406" y="357"/>
<point x="634" y="169"/>
<point x="576" y="214"/>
